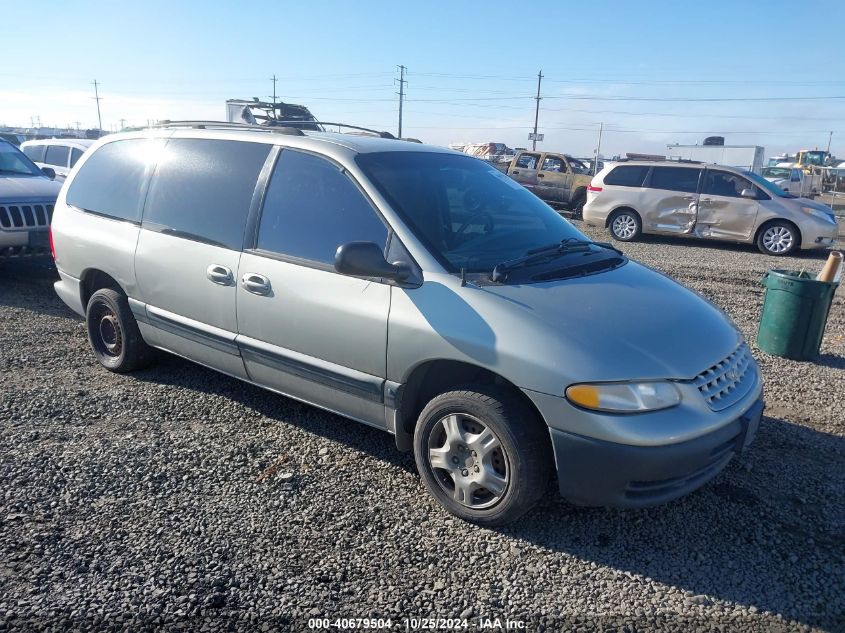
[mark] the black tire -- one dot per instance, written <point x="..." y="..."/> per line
<point x="113" y="332"/>
<point x="578" y="205"/>
<point x="778" y="238"/>
<point x="521" y="459"/>
<point x="625" y="225"/>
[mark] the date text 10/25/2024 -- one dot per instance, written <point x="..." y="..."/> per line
<point x="416" y="624"/>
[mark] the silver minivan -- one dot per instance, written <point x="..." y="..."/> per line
<point x="416" y="290"/>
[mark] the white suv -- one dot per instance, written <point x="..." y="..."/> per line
<point x="705" y="201"/>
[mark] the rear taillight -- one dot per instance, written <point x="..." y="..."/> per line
<point x="52" y="248"/>
<point x="593" y="189"/>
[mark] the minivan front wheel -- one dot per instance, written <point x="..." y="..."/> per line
<point x="113" y="332"/>
<point x="625" y="225"/>
<point x="484" y="457"/>
<point x="778" y="238"/>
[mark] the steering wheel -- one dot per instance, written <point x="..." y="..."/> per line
<point x="473" y="202"/>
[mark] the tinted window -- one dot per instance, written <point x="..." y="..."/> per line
<point x="528" y="161"/>
<point x="112" y="179"/>
<point x="627" y="176"/>
<point x="722" y="183"/>
<point x="34" y="152"/>
<point x="75" y="155"/>
<point x="553" y="163"/>
<point x="202" y="189"/>
<point x="311" y="208"/>
<point x="675" y="179"/>
<point x="57" y="155"/>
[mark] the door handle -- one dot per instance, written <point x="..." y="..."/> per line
<point x="706" y="201"/>
<point x="514" y="172"/>
<point x="219" y="274"/>
<point x="689" y="198"/>
<point x="256" y="284"/>
<point x="541" y="175"/>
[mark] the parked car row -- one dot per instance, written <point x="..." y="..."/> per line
<point x="559" y="179"/>
<point x="413" y="289"/>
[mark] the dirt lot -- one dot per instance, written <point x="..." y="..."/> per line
<point x="138" y="501"/>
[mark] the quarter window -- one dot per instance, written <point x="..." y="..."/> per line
<point x="203" y="188"/>
<point x="675" y="179"/>
<point x="57" y="155"/>
<point x="627" y="176"/>
<point x="75" y="155"/>
<point x="112" y="180"/>
<point x="528" y="161"/>
<point x="312" y="207"/>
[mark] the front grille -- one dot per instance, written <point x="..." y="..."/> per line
<point x="24" y="217"/>
<point x="726" y="382"/>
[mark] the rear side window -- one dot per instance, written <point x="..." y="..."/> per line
<point x="675" y="179"/>
<point x="75" y="155"/>
<point x="553" y="163"/>
<point x="528" y="161"/>
<point x="202" y="189"/>
<point x="627" y="176"/>
<point x="35" y="153"/>
<point x="311" y="208"/>
<point x="112" y="180"/>
<point x="57" y="155"/>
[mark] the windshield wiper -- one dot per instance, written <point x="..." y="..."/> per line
<point x="546" y="253"/>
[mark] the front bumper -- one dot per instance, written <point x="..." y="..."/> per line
<point x="20" y="243"/>
<point x="596" y="472"/>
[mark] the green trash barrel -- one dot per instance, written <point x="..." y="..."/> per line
<point x="794" y="315"/>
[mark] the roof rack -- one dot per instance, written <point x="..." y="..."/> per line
<point x="380" y="133"/>
<point x="224" y="125"/>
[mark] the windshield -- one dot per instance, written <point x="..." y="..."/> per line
<point x="767" y="185"/>
<point x="468" y="214"/>
<point x="776" y="172"/>
<point x="813" y="158"/>
<point x="14" y="161"/>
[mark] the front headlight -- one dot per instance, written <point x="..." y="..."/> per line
<point x="822" y="215"/>
<point x="624" y="397"/>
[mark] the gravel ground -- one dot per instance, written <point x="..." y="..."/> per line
<point x="182" y="499"/>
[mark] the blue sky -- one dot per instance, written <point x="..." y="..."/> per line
<point x="652" y="72"/>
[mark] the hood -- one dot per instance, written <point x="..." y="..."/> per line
<point x="630" y="323"/>
<point x="23" y="188"/>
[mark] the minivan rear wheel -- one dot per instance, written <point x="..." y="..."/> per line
<point x="778" y="238"/>
<point x="625" y="225"/>
<point x="485" y="457"/>
<point x="113" y="332"/>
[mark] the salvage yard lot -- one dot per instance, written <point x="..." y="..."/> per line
<point x="180" y="496"/>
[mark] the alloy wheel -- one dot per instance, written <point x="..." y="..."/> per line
<point x="468" y="461"/>
<point x="778" y="239"/>
<point x="624" y="226"/>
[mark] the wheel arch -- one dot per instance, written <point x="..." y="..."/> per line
<point x="616" y="210"/>
<point x="433" y="377"/>
<point x="94" y="279"/>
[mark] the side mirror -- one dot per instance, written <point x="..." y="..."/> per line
<point x="49" y="172"/>
<point x="366" y="259"/>
<point x="748" y="193"/>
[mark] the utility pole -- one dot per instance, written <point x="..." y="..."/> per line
<point x="537" y="110"/>
<point x="122" y="123"/>
<point x="273" y="79"/>
<point x="402" y="82"/>
<point x="598" y="149"/>
<point x="829" y="139"/>
<point x="97" y="99"/>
